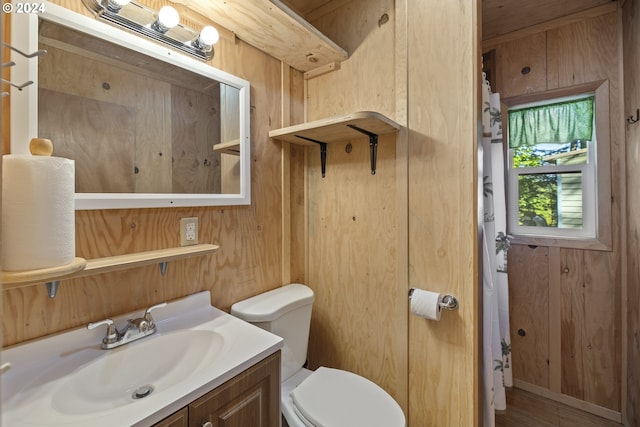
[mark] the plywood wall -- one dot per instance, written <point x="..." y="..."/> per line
<point x="360" y="317"/>
<point x="370" y="238"/>
<point x="443" y="111"/>
<point x="631" y="52"/>
<point x="568" y="301"/>
<point x="250" y="237"/>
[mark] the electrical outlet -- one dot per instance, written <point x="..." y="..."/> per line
<point x="188" y="231"/>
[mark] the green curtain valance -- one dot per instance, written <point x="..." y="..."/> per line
<point x="553" y="123"/>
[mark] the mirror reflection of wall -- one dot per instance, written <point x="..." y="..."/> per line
<point x="230" y="133"/>
<point x="134" y="124"/>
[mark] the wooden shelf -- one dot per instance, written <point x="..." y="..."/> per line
<point x="81" y="267"/>
<point x="139" y="259"/>
<point x="231" y="147"/>
<point x="339" y="128"/>
<point x="336" y="129"/>
<point x="274" y="28"/>
<point x="16" y="279"/>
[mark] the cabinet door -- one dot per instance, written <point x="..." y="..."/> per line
<point x="252" y="398"/>
<point x="177" y="419"/>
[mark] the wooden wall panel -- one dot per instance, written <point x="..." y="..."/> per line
<point x="513" y="57"/>
<point x="365" y="80"/>
<point x="631" y="293"/>
<point x="195" y="125"/>
<point x="84" y="139"/>
<point x="573" y="321"/>
<point x="250" y="237"/>
<point x="6" y="75"/>
<point x="529" y="313"/>
<point x="590" y="328"/>
<point x="352" y="266"/>
<point x="591" y="343"/>
<point x="602" y="359"/>
<point x="297" y="262"/>
<point x="360" y="313"/>
<point x="443" y="108"/>
<point x="584" y="52"/>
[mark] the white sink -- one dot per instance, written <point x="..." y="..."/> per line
<point x="136" y="368"/>
<point x="67" y="379"/>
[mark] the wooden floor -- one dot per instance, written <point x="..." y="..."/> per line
<point x="525" y="409"/>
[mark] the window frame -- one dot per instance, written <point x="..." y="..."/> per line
<point x="602" y="203"/>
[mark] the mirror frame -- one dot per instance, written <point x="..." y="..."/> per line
<point x="24" y="106"/>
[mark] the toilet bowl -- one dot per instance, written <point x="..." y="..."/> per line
<point x="324" y="397"/>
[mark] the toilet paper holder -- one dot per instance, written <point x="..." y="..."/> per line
<point x="449" y="302"/>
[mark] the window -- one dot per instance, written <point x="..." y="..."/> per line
<point x="558" y="163"/>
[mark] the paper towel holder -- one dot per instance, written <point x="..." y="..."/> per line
<point x="449" y="302"/>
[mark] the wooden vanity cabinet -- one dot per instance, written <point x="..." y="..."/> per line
<point x="177" y="419"/>
<point x="251" y="398"/>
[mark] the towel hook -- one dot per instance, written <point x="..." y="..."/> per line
<point x="19" y="87"/>
<point x="37" y="53"/>
<point x="40" y="52"/>
<point x="633" y="120"/>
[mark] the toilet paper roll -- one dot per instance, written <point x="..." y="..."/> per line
<point x="38" y="212"/>
<point x="426" y="304"/>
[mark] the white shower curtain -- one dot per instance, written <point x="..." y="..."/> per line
<point x="497" y="342"/>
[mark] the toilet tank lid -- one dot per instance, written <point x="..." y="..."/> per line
<point x="270" y="305"/>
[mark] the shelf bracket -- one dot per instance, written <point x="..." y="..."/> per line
<point x="52" y="288"/>
<point x="373" y="145"/>
<point x="163" y="268"/>
<point x="323" y="152"/>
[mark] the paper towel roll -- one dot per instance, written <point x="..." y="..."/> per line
<point x="426" y="304"/>
<point x="38" y="212"/>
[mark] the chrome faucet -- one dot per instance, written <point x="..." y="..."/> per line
<point x="133" y="330"/>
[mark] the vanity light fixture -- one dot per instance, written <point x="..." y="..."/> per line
<point x="163" y="25"/>
<point x="116" y="5"/>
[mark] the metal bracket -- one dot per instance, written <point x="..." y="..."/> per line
<point x="163" y="268"/>
<point x="52" y="288"/>
<point x="323" y="152"/>
<point x="373" y="145"/>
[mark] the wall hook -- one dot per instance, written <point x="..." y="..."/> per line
<point x="631" y="119"/>
<point x="40" y="52"/>
<point x="19" y="87"/>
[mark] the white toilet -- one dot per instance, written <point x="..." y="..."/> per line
<point x="325" y="397"/>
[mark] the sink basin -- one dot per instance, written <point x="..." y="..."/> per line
<point x="136" y="371"/>
<point x="68" y="380"/>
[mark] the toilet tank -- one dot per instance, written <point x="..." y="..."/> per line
<point x="285" y="312"/>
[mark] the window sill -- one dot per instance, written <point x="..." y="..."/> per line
<point x="577" y="243"/>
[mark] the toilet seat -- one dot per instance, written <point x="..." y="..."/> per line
<point x="335" y="398"/>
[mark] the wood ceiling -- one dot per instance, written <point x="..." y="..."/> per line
<point x="504" y="16"/>
<point x="498" y="16"/>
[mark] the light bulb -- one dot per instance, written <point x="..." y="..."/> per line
<point x="168" y="18"/>
<point x="209" y="36"/>
<point x="116" y="5"/>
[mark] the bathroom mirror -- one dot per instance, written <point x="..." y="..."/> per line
<point x="147" y="126"/>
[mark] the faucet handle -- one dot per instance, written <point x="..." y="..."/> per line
<point x="112" y="332"/>
<point x="147" y="313"/>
